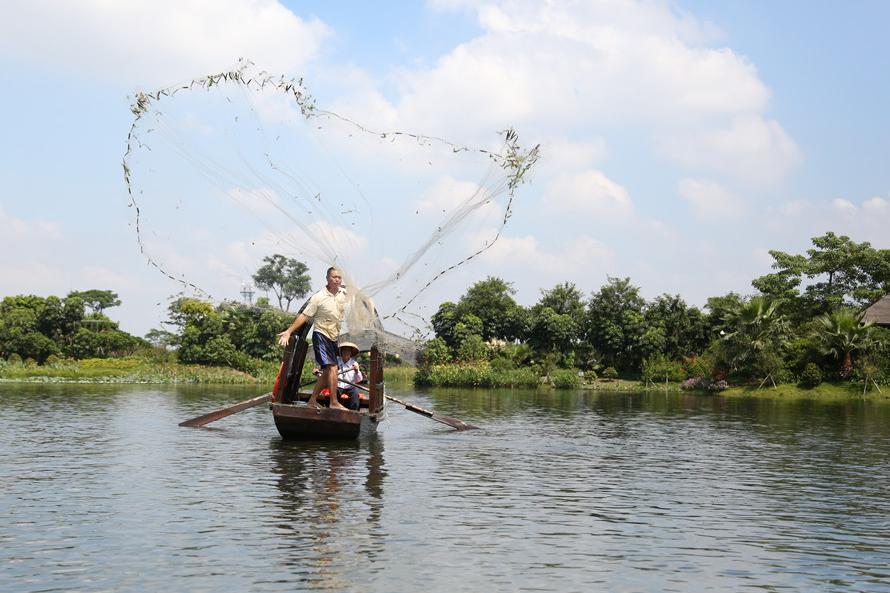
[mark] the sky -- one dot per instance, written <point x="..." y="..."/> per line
<point x="680" y="141"/>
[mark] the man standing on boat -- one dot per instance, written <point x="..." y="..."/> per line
<point x="325" y="309"/>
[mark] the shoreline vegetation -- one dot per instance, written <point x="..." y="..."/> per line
<point x="149" y="369"/>
<point x="817" y="319"/>
<point x="146" y="370"/>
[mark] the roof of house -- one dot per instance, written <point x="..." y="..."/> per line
<point x="879" y="312"/>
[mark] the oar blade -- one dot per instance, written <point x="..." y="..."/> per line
<point x="226" y="411"/>
<point x="452" y="422"/>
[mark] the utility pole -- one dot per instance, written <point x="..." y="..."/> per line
<point x="247" y="293"/>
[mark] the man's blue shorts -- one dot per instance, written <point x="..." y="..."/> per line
<point x="325" y="350"/>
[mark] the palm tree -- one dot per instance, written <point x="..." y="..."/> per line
<point x="758" y="332"/>
<point x="842" y="333"/>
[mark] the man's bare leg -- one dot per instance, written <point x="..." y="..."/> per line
<point x="330" y="375"/>
<point x="313" y="399"/>
<point x="316" y="389"/>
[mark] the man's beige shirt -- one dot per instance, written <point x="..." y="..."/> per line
<point x="326" y="311"/>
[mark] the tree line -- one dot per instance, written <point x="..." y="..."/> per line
<point x="804" y="319"/>
<point x="45" y="329"/>
<point x="802" y="322"/>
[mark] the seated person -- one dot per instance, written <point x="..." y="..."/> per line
<point x="348" y="372"/>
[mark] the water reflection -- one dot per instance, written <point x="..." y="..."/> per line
<point x="329" y="508"/>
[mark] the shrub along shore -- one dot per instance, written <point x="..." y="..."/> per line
<point x="814" y="320"/>
<point x="148" y="370"/>
<point x="482" y="375"/>
<point x="151" y="369"/>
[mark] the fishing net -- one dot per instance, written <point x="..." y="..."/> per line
<point x="232" y="167"/>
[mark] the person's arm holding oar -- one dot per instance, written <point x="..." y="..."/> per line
<point x="452" y="422"/>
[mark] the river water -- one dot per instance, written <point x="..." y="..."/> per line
<point x="100" y="490"/>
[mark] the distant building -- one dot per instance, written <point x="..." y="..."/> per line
<point x="879" y="312"/>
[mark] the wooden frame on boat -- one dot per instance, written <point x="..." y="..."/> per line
<point x="297" y="421"/>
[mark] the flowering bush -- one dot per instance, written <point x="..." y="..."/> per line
<point x="703" y="384"/>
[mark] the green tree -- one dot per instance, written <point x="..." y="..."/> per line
<point x="23" y="321"/>
<point x="253" y="330"/>
<point x="840" y="334"/>
<point x="839" y="272"/>
<point x="614" y="323"/>
<point x="444" y="322"/>
<point x="563" y="299"/>
<point x="435" y="352"/>
<point x="36" y="346"/>
<point x="660" y="368"/>
<point x="553" y="332"/>
<point x="197" y="323"/>
<point x="97" y="300"/>
<point x="468" y="326"/>
<point x="285" y="277"/>
<point x="160" y="338"/>
<point x="682" y="328"/>
<point x="37" y="327"/>
<point x="103" y="343"/>
<point x="758" y="334"/>
<point x="229" y="334"/>
<point x="554" y="322"/>
<point x="491" y="300"/>
<point x="473" y="349"/>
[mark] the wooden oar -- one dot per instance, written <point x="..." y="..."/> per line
<point x="227" y="411"/>
<point x="452" y="422"/>
<point x="233" y="409"/>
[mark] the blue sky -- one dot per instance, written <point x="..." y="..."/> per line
<point x="680" y="140"/>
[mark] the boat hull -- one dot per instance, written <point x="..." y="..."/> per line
<point x="300" y="422"/>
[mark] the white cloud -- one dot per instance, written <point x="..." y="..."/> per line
<point x="794" y="207"/>
<point x="876" y="206"/>
<point x="247" y="255"/>
<point x="337" y="235"/>
<point x="588" y="193"/>
<point x="709" y="200"/>
<point x="556" y="68"/>
<point x="158" y="42"/>
<point x="867" y="220"/>
<point x="571" y="154"/>
<point x="750" y="148"/>
<point x="15" y="229"/>
<point x="576" y="63"/>
<point x="843" y="206"/>
<point x="105" y="278"/>
<point x="515" y="257"/>
<point x="445" y="195"/>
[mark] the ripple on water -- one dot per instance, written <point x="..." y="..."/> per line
<point x="101" y="490"/>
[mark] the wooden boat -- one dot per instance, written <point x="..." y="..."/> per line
<point x="295" y="420"/>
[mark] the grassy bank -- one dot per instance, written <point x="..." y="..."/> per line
<point x="843" y="390"/>
<point x="400" y="375"/>
<point x="136" y="369"/>
<point x="132" y="369"/>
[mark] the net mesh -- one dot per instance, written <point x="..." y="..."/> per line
<point x="231" y="167"/>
